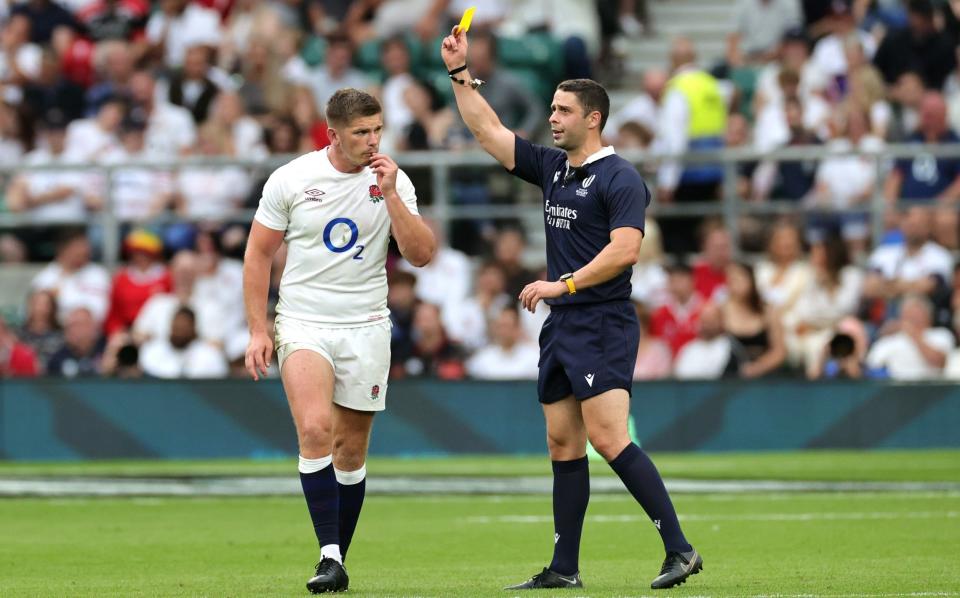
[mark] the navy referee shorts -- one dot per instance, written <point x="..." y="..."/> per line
<point x="587" y="349"/>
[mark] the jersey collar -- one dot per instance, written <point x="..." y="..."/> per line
<point x="603" y="152"/>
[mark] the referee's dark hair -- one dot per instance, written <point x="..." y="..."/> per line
<point x="592" y="96"/>
<point x="349" y="103"/>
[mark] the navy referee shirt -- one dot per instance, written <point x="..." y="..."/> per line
<point x="580" y="210"/>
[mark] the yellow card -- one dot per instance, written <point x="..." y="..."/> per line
<point x="464" y="25"/>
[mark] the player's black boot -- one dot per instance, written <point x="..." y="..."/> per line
<point x="549" y="579"/>
<point x="677" y="567"/>
<point x="330" y="577"/>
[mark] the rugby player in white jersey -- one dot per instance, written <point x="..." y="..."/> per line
<point x="336" y="209"/>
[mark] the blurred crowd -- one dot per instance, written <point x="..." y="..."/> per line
<point x="798" y="311"/>
<point x="110" y="81"/>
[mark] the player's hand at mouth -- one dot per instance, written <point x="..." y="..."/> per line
<point x="541" y="289"/>
<point x="386" y="170"/>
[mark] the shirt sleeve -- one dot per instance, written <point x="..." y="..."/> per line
<point x="626" y="199"/>
<point x="274" y="209"/>
<point x="529" y="160"/>
<point x="407" y="192"/>
<point x="940" y="339"/>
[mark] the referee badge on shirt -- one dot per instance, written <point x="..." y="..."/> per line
<point x="376" y="195"/>
<point x="582" y="192"/>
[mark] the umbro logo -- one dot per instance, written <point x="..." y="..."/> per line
<point x="589" y="379"/>
<point x="314" y="195"/>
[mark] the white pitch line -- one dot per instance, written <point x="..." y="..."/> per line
<point x="841" y="516"/>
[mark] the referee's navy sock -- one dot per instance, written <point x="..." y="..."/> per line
<point x="320" y="490"/>
<point x="642" y="479"/>
<point x="571" y="493"/>
<point x="352" y="486"/>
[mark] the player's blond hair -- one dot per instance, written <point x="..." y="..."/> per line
<point x="349" y="103"/>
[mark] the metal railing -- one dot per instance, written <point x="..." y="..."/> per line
<point x="444" y="209"/>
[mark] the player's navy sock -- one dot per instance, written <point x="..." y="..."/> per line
<point x="320" y="489"/>
<point x="352" y="487"/>
<point x="571" y="493"/>
<point x="642" y="479"/>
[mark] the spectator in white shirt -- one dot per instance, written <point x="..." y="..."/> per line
<point x="642" y="109"/>
<point x="784" y="274"/>
<point x="74" y="280"/>
<point x="918" y="265"/>
<point x="156" y="316"/>
<point x="337" y="72"/>
<point x="137" y="193"/>
<point x="395" y="56"/>
<point x="446" y="280"/>
<point x="180" y="24"/>
<point x="213" y="192"/>
<point x="648" y="282"/>
<point x="845" y="182"/>
<point x="917" y="351"/>
<point x="170" y="129"/>
<point x="832" y="294"/>
<point x="246" y="135"/>
<point x="20" y="60"/>
<point x="757" y="28"/>
<point x="52" y="195"/>
<point x="511" y="356"/>
<point x="711" y="354"/>
<point x="220" y="280"/>
<point x="182" y="354"/>
<point x="468" y="319"/>
<point x="830" y="54"/>
<point x="191" y="87"/>
<point x="90" y="139"/>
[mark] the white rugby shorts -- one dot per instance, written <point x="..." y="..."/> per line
<point x="360" y="358"/>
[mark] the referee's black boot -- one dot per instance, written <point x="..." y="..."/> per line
<point x="677" y="567"/>
<point x="549" y="579"/>
<point x="330" y="577"/>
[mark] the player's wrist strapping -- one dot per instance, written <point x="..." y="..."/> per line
<point x="474" y="83"/>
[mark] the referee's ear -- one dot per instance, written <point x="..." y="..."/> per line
<point x="594" y="119"/>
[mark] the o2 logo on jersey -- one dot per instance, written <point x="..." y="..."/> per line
<point x="337" y="240"/>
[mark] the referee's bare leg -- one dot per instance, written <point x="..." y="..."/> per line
<point x="308" y="380"/>
<point x="606" y="419"/>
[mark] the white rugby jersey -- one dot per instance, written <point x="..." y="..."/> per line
<point x="337" y="232"/>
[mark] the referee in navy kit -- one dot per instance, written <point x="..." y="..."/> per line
<point x="594" y="205"/>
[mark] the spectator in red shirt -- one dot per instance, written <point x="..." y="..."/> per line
<point x="17" y="360"/>
<point x="143" y="276"/>
<point x="676" y="320"/>
<point x="710" y="269"/>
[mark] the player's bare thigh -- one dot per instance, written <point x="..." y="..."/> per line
<point x="308" y="381"/>
<point x="605" y="417"/>
<point x="566" y="433"/>
<point x="351" y="437"/>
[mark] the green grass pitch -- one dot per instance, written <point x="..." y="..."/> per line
<point x="825" y="544"/>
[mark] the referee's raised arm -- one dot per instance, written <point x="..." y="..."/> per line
<point x="494" y="138"/>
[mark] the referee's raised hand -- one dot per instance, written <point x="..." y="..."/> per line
<point x="453" y="50"/>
